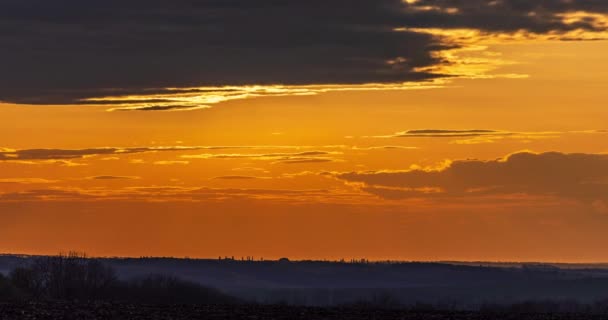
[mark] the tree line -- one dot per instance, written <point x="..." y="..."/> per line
<point x="74" y="277"/>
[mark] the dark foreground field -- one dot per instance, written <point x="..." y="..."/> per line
<point x="69" y="311"/>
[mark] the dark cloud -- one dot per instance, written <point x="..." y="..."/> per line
<point x="539" y="16"/>
<point x="54" y="154"/>
<point x="70" y="154"/>
<point x="58" y="52"/>
<point x="66" y="154"/>
<point x="434" y="133"/>
<point x="578" y="176"/>
<point x="304" y="160"/>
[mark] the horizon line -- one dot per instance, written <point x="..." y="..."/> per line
<point x="344" y="260"/>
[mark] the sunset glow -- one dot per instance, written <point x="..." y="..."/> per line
<point x="403" y="130"/>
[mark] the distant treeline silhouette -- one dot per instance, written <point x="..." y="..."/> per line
<point x="73" y="276"/>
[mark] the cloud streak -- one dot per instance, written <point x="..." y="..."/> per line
<point x="277" y="158"/>
<point x="236" y="178"/>
<point x="113" y="178"/>
<point x="477" y="136"/>
<point x="69" y="154"/>
<point x="181" y="194"/>
<point x="437" y="133"/>
<point x="26" y="181"/>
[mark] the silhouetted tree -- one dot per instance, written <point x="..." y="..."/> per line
<point x="27" y="281"/>
<point x="68" y="277"/>
<point x="73" y="276"/>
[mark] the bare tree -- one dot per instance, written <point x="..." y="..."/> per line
<point x="65" y="276"/>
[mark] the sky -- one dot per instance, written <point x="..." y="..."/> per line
<point x="405" y="130"/>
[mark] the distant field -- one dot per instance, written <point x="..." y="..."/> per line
<point x="111" y="311"/>
<point x="324" y="283"/>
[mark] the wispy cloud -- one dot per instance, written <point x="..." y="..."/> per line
<point x="113" y="178"/>
<point x="277" y="158"/>
<point x="170" y="162"/>
<point x="237" y="178"/>
<point x="186" y="194"/>
<point x="477" y="136"/>
<point x="440" y="133"/>
<point x="27" y="181"/>
<point x="113" y="152"/>
<point x="304" y="160"/>
<point x="174" y="99"/>
<point x="67" y="154"/>
<point x="385" y="148"/>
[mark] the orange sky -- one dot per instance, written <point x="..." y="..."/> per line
<point x="458" y="169"/>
